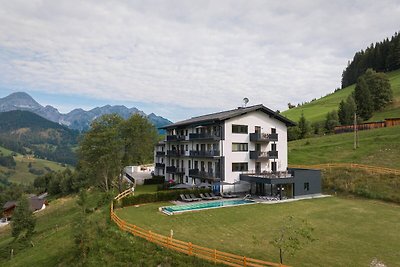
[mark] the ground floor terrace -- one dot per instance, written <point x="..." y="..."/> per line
<point x="348" y="232"/>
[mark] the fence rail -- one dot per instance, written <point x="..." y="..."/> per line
<point x="123" y="194"/>
<point x="373" y="169"/>
<point x="187" y="248"/>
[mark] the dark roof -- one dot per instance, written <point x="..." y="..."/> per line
<point x="35" y="203"/>
<point x="224" y="115"/>
<point x="9" y="204"/>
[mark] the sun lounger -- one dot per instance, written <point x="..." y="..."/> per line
<point x="232" y="195"/>
<point x="226" y="195"/>
<point x="192" y="196"/>
<point x="205" y="197"/>
<point x="184" y="198"/>
<point x="212" y="195"/>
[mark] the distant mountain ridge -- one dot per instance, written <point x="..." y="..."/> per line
<point x="77" y="119"/>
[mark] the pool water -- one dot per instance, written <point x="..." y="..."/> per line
<point x="204" y="205"/>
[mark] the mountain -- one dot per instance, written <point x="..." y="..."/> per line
<point x="28" y="133"/>
<point x="77" y="119"/>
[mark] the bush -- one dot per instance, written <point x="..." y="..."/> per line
<point x="159" y="196"/>
<point x="154" y="180"/>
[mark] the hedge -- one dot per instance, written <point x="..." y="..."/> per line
<point x="154" y="180"/>
<point x="159" y="196"/>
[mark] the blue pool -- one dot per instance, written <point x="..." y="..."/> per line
<point x="170" y="210"/>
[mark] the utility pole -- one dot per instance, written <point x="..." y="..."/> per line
<point x="355" y="131"/>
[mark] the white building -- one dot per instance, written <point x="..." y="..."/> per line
<point x="226" y="146"/>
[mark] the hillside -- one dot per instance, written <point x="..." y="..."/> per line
<point x="28" y="133"/>
<point x="378" y="147"/>
<point x="317" y="110"/>
<point x="27" y="168"/>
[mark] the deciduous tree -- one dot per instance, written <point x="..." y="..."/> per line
<point x="23" y="222"/>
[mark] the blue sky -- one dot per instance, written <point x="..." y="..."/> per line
<point x="183" y="58"/>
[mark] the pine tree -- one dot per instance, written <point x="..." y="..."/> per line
<point x="331" y="121"/>
<point x="363" y="99"/>
<point x="23" y="222"/>
<point x="304" y="127"/>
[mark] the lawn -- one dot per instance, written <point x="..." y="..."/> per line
<point x="378" y="147"/>
<point x="349" y="232"/>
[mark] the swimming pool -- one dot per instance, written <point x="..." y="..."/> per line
<point x="170" y="210"/>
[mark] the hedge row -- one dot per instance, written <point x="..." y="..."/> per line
<point x="155" y="180"/>
<point x="159" y="196"/>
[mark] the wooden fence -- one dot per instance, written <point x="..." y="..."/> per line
<point x="372" y="169"/>
<point x="123" y="194"/>
<point x="187" y="248"/>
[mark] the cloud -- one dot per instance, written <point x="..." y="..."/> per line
<point x="192" y="55"/>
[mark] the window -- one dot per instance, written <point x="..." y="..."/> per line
<point x="273" y="147"/>
<point x="239" y="147"/>
<point x="273" y="166"/>
<point x="306" y="186"/>
<point x="273" y="130"/>
<point x="239" y="167"/>
<point x="187" y="147"/>
<point x="239" y="129"/>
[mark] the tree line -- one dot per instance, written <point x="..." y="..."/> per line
<point x="384" y="56"/>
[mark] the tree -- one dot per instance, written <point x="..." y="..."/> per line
<point x="291" y="236"/>
<point x="346" y="111"/>
<point x="80" y="228"/>
<point x="293" y="133"/>
<point x="363" y="99"/>
<point x="304" y="127"/>
<point x="331" y="121"/>
<point x="379" y="88"/>
<point x="23" y="222"/>
<point x="113" y="143"/>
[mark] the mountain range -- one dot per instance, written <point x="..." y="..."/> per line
<point x="77" y="119"/>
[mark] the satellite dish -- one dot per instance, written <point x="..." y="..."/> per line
<point x="245" y="101"/>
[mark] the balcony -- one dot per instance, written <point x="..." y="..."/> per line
<point x="260" y="155"/>
<point x="175" y="170"/>
<point x="209" y="175"/>
<point x="160" y="165"/>
<point x="175" y="138"/>
<point x="204" y="154"/>
<point x="160" y="153"/>
<point x="204" y="136"/>
<point x="175" y="153"/>
<point x="263" y="137"/>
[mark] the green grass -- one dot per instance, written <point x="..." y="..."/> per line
<point x="21" y="174"/>
<point x="54" y="244"/>
<point x="349" y="232"/>
<point x="317" y="110"/>
<point x="378" y="147"/>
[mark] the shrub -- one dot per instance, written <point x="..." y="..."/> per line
<point x="154" y="180"/>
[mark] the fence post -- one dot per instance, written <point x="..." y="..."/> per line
<point x="215" y="256"/>
<point x="190" y="248"/>
<point x="244" y="261"/>
<point x="150" y="236"/>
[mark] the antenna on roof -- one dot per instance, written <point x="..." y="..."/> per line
<point x="245" y="101"/>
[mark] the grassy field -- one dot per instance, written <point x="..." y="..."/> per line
<point x="54" y="244"/>
<point x="317" y="110"/>
<point x="21" y="172"/>
<point x="378" y="147"/>
<point x="349" y="232"/>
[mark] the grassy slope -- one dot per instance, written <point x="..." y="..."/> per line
<point x="348" y="231"/>
<point x="316" y="110"/>
<point x="21" y="173"/>
<point x="379" y="147"/>
<point x="109" y="246"/>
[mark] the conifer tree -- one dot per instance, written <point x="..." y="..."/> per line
<point x="23" y="222"/>
<point x="363" y="99"/>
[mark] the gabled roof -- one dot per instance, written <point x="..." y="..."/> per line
<point x="224" y="115"/>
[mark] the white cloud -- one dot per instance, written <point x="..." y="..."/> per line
<point x="190" y="54"/>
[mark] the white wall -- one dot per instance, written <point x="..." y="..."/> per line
<point x="252" y="119"/>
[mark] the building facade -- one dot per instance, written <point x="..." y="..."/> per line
<point x="231" y="147"/>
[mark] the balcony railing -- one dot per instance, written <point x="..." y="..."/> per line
<point x="268" y="174"/>
<point x="173" y="169"/>
<point x="160" y="153"/>
<point x="160" y="165"/>
<point x="201" y="153"/>
<point x="263" y="137"/>
<point x="172" y="138"/>
<point x="196" y="173"/>
<point x="175" y="153"/>
<point x="204" y="136"/>
<point x="258" y="155"/>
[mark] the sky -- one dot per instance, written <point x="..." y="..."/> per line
<point x="185" y="58"/>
